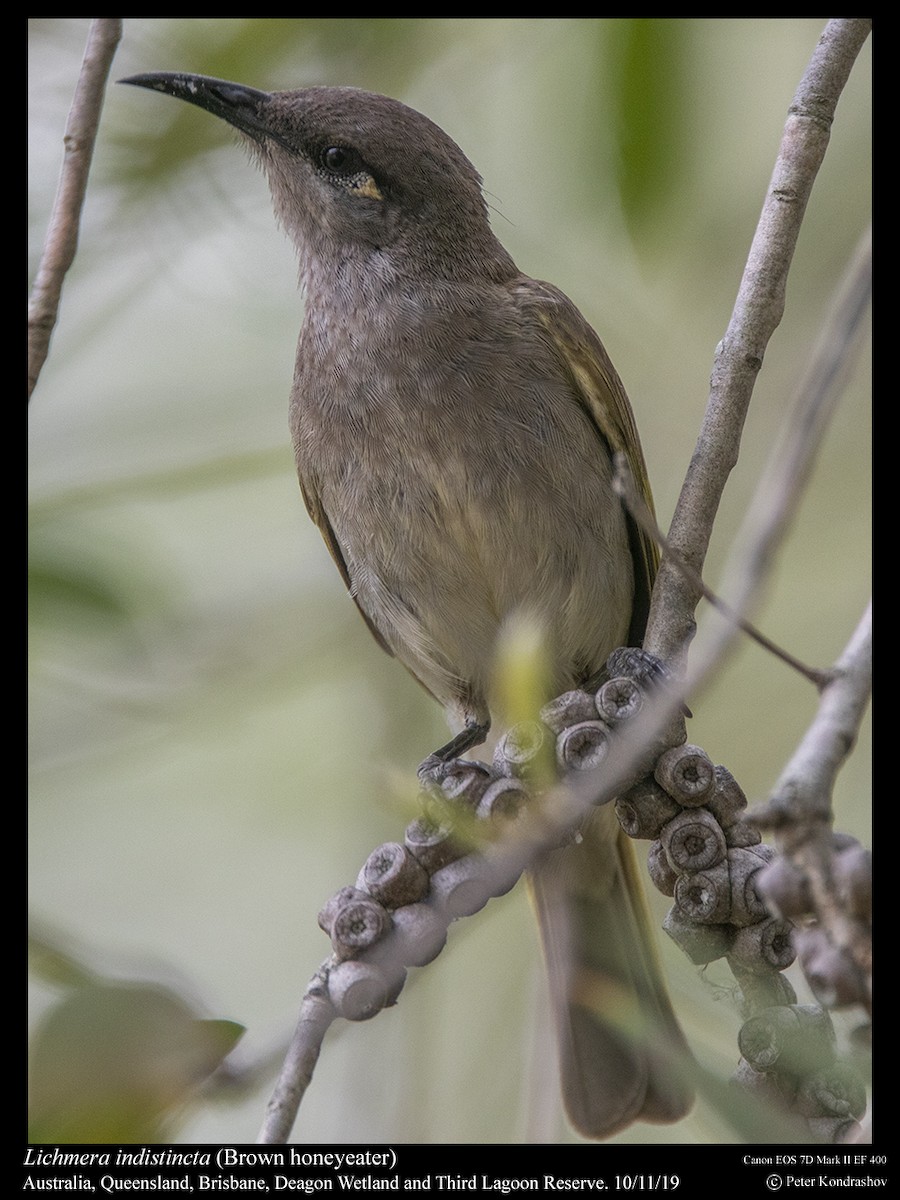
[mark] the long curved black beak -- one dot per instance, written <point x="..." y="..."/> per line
<point x="243" y="107"/>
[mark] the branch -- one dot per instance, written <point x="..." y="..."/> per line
<point x="474" y="805"/>
<point x="316" y="1014"/>
<point x="757" y="313"/>
<point x="803" y="793"/>
<point x="838" y="878"/>
<point x="639" y="509"/>
<point x="61" y="241"/>
<point x="706" y="855"/>
<point x="780" y="488"/>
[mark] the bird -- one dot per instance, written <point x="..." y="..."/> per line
<point x="454" y="423"/>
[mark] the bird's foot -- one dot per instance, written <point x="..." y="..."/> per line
<point x="434" y="767"/>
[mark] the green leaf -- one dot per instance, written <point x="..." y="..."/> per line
<point x="117" y="1062"/>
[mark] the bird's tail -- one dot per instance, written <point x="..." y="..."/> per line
<point x="622" y="1053"/>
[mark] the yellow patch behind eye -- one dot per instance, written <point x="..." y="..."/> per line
<point x="366" y="186"/>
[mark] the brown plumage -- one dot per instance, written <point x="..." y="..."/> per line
<point x="454" y="423"/>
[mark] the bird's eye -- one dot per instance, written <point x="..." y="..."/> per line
<point x="340" y="160"/>
<point x="343" y="168"/>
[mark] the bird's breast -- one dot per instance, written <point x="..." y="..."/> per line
<point x="464" y="483"/>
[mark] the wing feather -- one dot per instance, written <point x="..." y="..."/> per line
<point x="602" y="395"/>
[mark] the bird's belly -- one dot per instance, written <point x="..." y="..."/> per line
<point x="444" y="559"/>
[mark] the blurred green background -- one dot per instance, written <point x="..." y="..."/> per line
<point x="216" y="741"/>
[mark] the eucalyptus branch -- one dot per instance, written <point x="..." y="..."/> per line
<point x="779" y="490"/>
<point x="757" y="313"/>
<point x="781" y="486"/>
<point x="707" y="857"/>
<point x="61" y="241"/>
<point x="316" y="1015"/>
<point x="799" y="811"/>
<point x="458" y="884"/>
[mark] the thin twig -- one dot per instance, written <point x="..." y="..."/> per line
<point x="799" y="809"/>
<point x="623" y="483"/>
<point x="316" y="1015"/>
<point x="781" y="487"/>
<point x="61" y="241"/>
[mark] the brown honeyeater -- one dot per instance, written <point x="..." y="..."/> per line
<point x="454" y="424"/>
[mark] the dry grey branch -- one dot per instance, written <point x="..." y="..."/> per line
<point x="61" y="241"/>
<point x="625" y="487"/>
<point x="757" y="313"/>
<point x="779" y="491"/>
<point x="316" y="1014"/>
<point x="800" y="813"/>
<point x="461" y="881"/>
<point x="803" y="793"/>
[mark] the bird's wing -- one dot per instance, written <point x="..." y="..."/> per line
<point x="619" y="1038"/>
<point x="320" y="517"/>
<point x="599" y="389"/>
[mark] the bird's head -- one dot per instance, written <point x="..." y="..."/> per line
<point x="353" y="173"/>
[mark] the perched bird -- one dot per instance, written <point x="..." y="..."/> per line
<point x="454" y="423"/>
